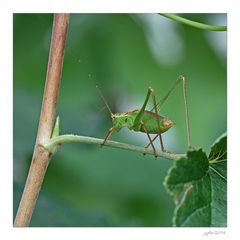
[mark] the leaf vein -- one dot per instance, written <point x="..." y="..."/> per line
<point x="218" y="173"/>
<point x="196" y="210"/>
<point x="215" y="161"/>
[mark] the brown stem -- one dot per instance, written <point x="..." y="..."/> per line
<point x="41" y="156"/>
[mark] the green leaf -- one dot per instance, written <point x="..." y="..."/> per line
<point x="218" y="174"/>
<point x="198" y="185"/>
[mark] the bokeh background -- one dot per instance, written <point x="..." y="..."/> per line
<point x="124" y="54"/>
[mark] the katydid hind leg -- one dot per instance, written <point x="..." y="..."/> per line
<point x="186" y="112"/>
<point x="166" y="151"/>
<point x="181" y="78"/>
<point x="158" y="123"/>
<point x="150" y="140"/>
<point x="139" y="117"/>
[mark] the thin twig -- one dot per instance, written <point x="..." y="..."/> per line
<point x="41" y="156"/>
<point x="51" y="145"/>
<point x="191" y="23"/>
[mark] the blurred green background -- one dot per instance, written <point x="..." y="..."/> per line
<point x="124" y="54"/>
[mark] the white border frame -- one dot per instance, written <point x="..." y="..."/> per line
<point x="7" y="8"/>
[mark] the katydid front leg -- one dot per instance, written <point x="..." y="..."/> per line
<point x="110" y="131"/>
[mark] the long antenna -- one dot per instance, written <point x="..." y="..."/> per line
<point x="104" y="100"/>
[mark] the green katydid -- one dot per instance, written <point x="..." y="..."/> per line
<point x="147" y="121"/>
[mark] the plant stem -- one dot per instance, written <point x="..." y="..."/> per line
<point x="193" y="23"/>
<point x="51" y="145"/>
<point x="41" y="156"/>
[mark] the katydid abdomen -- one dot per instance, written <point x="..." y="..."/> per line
<point x="149" y="120"/>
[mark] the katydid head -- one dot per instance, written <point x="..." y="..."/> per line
<point x="119" y="120"/>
